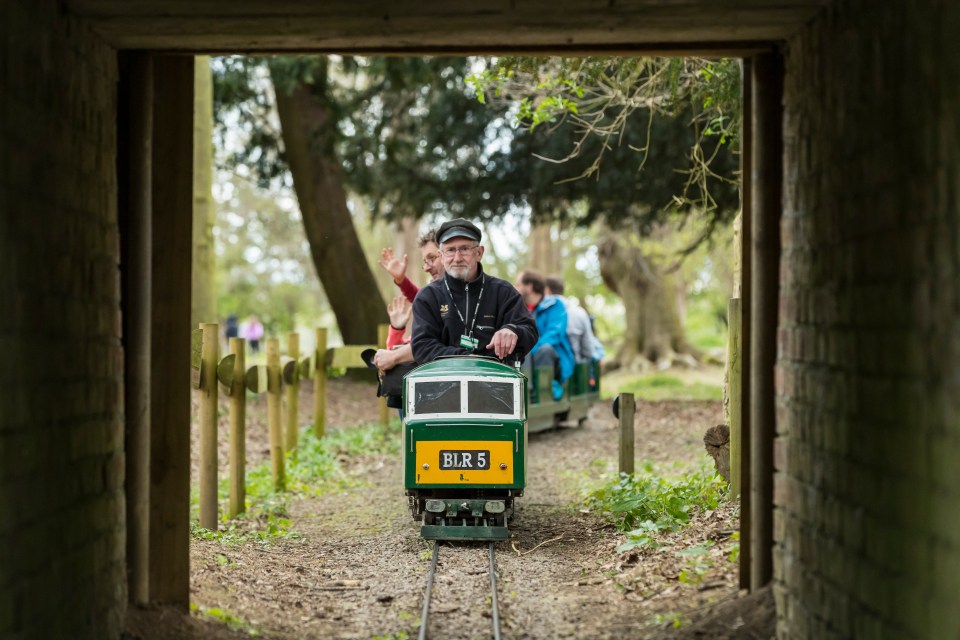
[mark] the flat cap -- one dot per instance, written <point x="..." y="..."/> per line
<point x="458" y="228"/>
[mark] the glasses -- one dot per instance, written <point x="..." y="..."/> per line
<point x="449" y="252"/>
<point x="431" y="258"/>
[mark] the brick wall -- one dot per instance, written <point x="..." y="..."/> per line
<point x="61" y="437"/>
<point x="868" y="456"/>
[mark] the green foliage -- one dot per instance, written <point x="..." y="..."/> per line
<point x="645" y="505"/>
<point x="661" y="386"/>
<point x="683" y="114"/>
<point x="698" y="563"/>
<point x="231" y="620"/>
<point x="315" y="468"/>
<point x="734" y="556"/>
<point x="675" y="619"/>
<point x="401" y="635"/>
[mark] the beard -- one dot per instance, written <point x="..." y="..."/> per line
<point x="460" y="273"/>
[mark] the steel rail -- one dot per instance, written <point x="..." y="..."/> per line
<point x="426" y="599"/>
<point x="493" y="597"/>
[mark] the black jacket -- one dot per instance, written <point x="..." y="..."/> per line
<point x="437" y="326"/>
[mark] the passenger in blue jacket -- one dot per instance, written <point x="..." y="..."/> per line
<point x="468" y="311"/>
<point x="553" y="347"/>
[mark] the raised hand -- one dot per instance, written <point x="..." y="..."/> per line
<point x="399" y="311"/>
<point x="393" y="266"/>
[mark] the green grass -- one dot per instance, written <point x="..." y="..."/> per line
<point x="661" y="386"/>
<point x="645" y="505"/>
<point x="315" y="468"/>
<point x="232" y="621"/>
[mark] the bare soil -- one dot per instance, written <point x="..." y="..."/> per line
<point x="359" y="568"/>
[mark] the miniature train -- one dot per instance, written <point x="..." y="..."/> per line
<point x="465" y="427"/>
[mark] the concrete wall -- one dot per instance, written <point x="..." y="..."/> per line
<point x="61" y="436"/>
<point x="868" y="483"/>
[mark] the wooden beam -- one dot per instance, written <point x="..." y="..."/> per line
<point x="170" y="339"/>
<point x="412" y="26"/>
<point x="134" y="139"/>
<point x="767" y="202"/>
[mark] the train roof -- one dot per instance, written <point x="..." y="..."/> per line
<point x="465" y="366"/>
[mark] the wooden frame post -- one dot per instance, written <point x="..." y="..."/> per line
<point x="134" y="203"/>
<point x="170" y="302"/>
<point x="767" y="201"/>
<point x="746" y="305"/>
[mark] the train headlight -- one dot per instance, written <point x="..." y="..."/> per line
<point x="494" y="506"/>
<point x="436" y="506"/>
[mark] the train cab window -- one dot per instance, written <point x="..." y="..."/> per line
<point x="437" y="396"/>
<point x="490" y="397"/>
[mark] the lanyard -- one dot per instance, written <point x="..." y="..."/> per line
<point x="475" y="310"/>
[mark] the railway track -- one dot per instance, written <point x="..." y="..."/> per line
<point x="426" y="598"/>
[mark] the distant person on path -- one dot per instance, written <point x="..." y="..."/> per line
<point x="232" y="327"/>
<point x="466" y="311"/>
<point x="252" y="331"/>
<point x="553" y="348"/>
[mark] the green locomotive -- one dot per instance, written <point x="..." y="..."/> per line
<point x="465" y="443"/>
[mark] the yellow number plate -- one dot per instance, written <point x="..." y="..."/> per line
<point x="466" y="462"/>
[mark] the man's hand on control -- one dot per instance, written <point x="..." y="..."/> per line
<point x="503" y="342"/>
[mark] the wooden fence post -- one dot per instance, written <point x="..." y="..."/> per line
<point x="320" y="384"/>
<point x="293" y="391"/>
<point x="734" y="393"/>
<point x="208" y="425"/>
<point x="627" y="409"/>
<point x="274" y="418"/>
<point x="382" y="332"/>
<point x="238" y="435"/>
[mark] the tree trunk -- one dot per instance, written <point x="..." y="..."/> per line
<point x="203" y="300"/>
<point x="318" y="180"/>
<point x="654" y="332"/>
<point x="544" y="250"/>
<point x="407" y="236"/>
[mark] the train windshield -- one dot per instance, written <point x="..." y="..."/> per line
<point x="473" y="396"/>
<point x="437" y="396"/>
<point x="489" y="396"/>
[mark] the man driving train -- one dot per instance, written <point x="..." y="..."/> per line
<point x="467" y="311"/>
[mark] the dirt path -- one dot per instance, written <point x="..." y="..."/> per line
<point x="358" y="571"/>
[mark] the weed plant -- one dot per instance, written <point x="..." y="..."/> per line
<point x="645" y="505"/>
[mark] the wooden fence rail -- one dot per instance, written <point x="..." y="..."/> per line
<point x="282" y="372"/>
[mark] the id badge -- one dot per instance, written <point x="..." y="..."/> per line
<point x="468" y="342"/>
